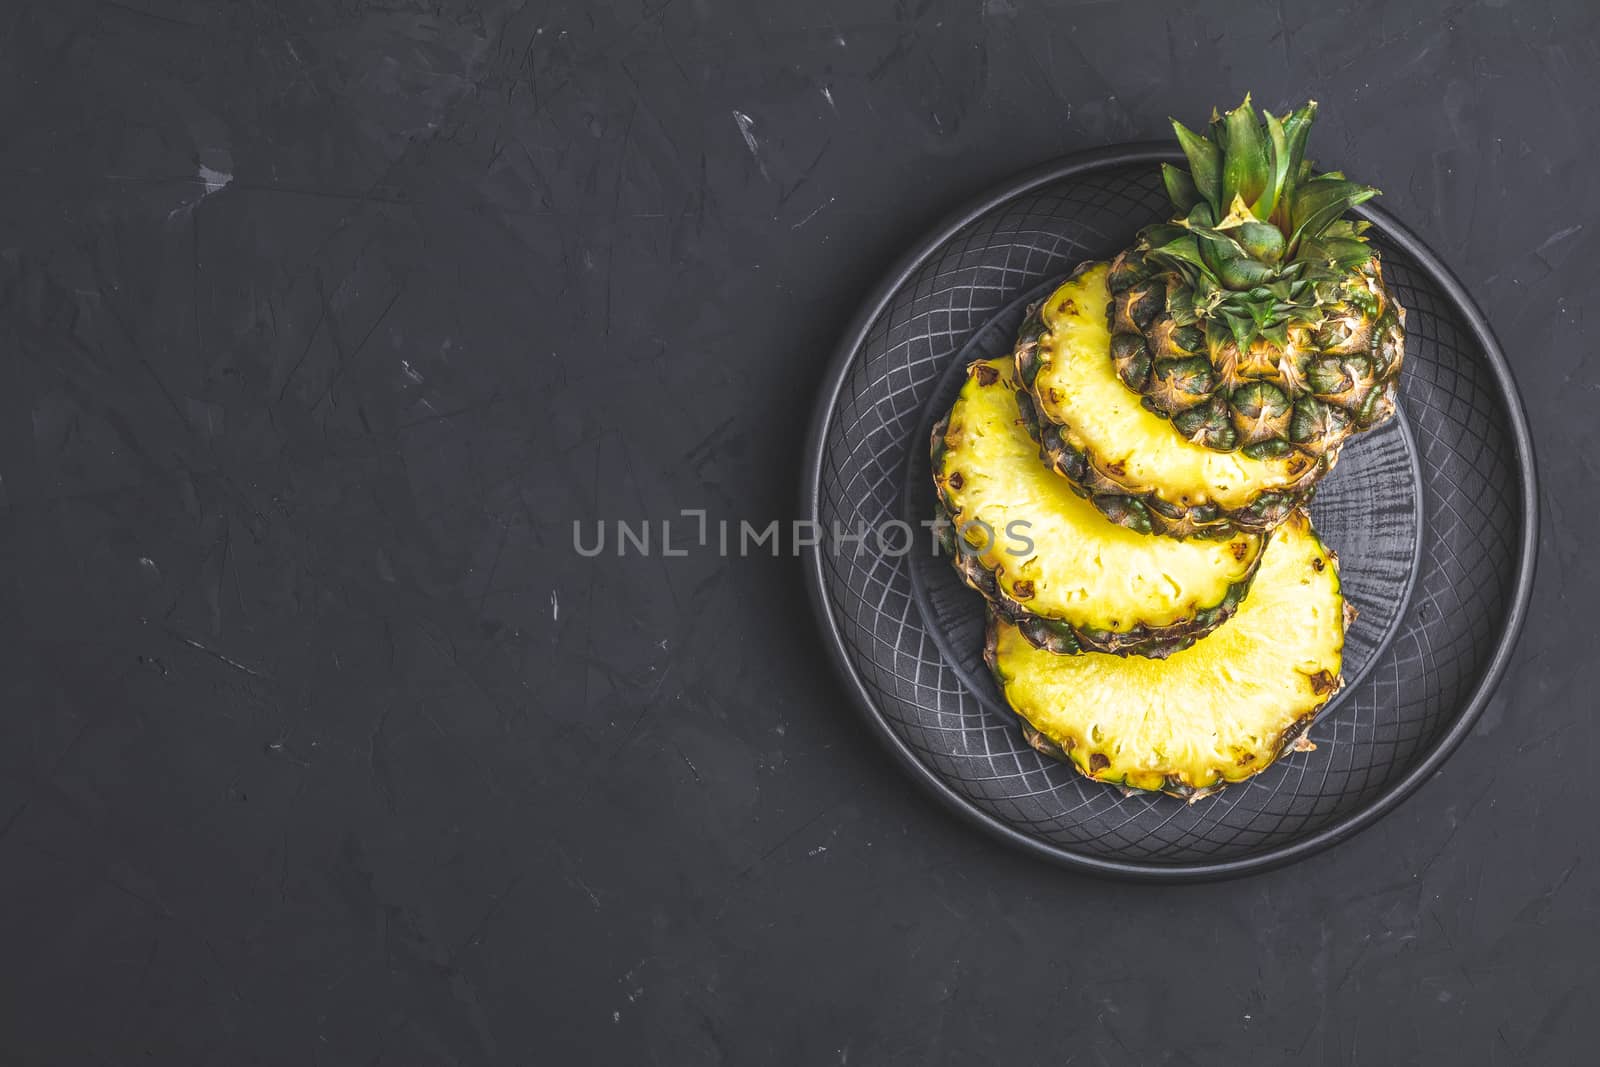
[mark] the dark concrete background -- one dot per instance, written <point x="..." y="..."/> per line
<point x="319" y="744"/>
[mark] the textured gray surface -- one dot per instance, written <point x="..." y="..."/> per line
<point x="337" y="314"/>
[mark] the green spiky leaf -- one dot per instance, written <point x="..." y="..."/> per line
<point x="1318" y="203"/>
<point x="1296" y="129"/>
<point x="1163" y="232"/>
<point x="1346" y="228"/>
<point x="1244" y="272"/>
<point x="1244" y="158"/>
<point x="1262" y="240"/>
<point x="1181" y="189"/>
<point x="1278" y="159"/>
<point x="1344" y="253"/>
<point x="1179" y="253"/>
<point x="1241" y="327"/>
<point x="1205" y="163"/>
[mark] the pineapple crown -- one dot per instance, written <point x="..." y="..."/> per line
<point x="1260" y="240"/>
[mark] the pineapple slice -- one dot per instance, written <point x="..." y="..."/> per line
<point x="1049" y="562"/>
<point x="1132" y="463"/>
<point x="1209" y="715"/>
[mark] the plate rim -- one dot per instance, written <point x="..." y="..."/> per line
<point x="824" y="406"/>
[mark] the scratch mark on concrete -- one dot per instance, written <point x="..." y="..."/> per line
<point x="812" y="214"/>
<point x="229" y="661"/>
<point x="743" y="121"/>
<point x="1553" y="240"/>
<point x="687" y="762"/>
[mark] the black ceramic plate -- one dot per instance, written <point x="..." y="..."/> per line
<point x="1433" y="517"/>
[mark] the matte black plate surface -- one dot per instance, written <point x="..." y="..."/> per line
<point x="1433" y="517"/>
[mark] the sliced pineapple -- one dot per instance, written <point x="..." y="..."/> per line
<point x="1132" y="463"/>
<point x="1049" y="562"/>
<point x="1212" y="714"/>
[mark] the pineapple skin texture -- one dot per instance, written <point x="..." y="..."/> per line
<point x="1130" y="462"/>
<point x="1211" y="715"/>
<point x="1332" y="379"/>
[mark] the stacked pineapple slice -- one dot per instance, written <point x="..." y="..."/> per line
<point x="1128" y="489"/>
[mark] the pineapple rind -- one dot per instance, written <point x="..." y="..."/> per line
<point x="1131" y="463"/>
<point x="1360" y="345"/>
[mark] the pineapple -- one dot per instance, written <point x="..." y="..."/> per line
<point x="1207" y="716"/>
<point x="1124" y="458"/>
<point x="1067" y="580"/>
<point x="1257" y="320"/>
